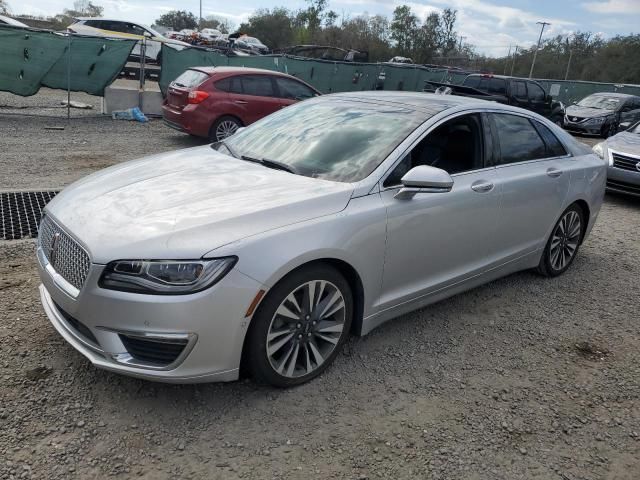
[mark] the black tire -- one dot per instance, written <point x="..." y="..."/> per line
<point x="256" y="357"/>
<point x="214" y="131"/>
<point x="159" y="58"/>
<point x="559" y="121"/>
<point x="546" y="267"/>
<point x="609" y="130"/>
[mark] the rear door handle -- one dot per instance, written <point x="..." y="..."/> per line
<point x="240" y="102"/>
<point x="481" y="186"/>
<point x="554" y="172"/>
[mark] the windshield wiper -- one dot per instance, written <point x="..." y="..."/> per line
<point x="270" y="164"/>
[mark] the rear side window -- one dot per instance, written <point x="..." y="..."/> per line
<point x="259" y="85"/>
<point x="293" y="89"/>
<point x="554" y="147"/>
<point x="497" y="86"/>
<point x="536" y="93"/>
<point x="519" y="90"/>
<point x="518" y="140"/>
<point x="224" y="85"/>
<point x="472" y="82"/>
<point x="191" y="78"/>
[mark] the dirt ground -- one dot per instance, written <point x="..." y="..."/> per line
<point x="524" y="378"/>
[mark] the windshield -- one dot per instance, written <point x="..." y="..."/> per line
<point x="339" y="140"/>
<point x="600" y="101"/>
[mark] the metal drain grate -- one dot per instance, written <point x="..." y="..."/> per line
<point x="21" y="213"/>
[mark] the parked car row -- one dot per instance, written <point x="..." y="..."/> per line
<point x="602" y="114"/>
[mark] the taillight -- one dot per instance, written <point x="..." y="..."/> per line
<point x="197" y="96"/>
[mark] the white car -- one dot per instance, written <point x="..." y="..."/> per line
<point x="10" y="21"/>
<point x="252" y="44"/>
<point x="211" y="33"/>
<point x="104" y="27"/>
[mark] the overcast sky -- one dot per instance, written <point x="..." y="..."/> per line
<point x="490" y="25"/>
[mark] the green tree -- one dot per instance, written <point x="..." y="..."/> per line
<point x="219" y="23"/>
<point x="4" y="7"/>
<point x="178" y="20"/>
<point x="273" y="27"/>
<point x="404" y="27"/>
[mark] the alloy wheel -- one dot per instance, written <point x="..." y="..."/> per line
<point x="564" y="240"/>
<point x="225" y="129"/>
<point x="306" y="328"/>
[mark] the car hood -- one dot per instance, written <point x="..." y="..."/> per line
<point x="587" y="112"/>
<point x="186" y="203"/>
<point x="625" y="142"/>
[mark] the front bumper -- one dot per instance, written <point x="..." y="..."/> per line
<point x="211" y="324"/>
<point x="582" y="128"/>
<point x="623" y="181"/>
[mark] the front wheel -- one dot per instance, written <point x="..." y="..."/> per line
<point x="300" y="326"/>
<point x="562" y="247"/>
<point x="609" y="131"/>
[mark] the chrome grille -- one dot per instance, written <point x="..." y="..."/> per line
<point x="64" y="254"/>
<point x="625" y="163"/>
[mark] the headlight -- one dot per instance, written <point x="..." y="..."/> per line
<point x="600" y="149"/>
<point x="596" y="121"/>
<point x="165" y="277"/>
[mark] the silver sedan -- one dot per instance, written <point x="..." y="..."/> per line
<point x="622" y="154"/>
<point x="328" y="218"/>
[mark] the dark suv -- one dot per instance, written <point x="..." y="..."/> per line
<point x="519" y="92"/>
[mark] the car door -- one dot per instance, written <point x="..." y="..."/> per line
<point x="533" y="174"/>
<point x="292" y="91"/>
<point x="519" y="97"/>
<point x="253" y="97"/>
<point x="435" y="240"/>
<point x="538" y="99"/>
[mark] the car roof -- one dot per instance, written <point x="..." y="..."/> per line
<point x="426" y="102"/>
<point x="238" y="71"/>
<point x="12" y="21"/>
<point x="612" y="95"/>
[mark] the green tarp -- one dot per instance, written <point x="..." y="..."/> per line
<point x="329" y="76"/>
<point x="30" y="59"/>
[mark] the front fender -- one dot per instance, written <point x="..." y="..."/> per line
<point x="356" y="236"/>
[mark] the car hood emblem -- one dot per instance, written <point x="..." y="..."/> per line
<point x="53" y="248"/>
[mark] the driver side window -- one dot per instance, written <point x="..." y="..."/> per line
<point x="455" y="146"/>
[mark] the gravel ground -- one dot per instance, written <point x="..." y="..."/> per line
<point x="524" y="378"/>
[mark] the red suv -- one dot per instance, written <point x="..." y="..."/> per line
<point x="213" y="102"/>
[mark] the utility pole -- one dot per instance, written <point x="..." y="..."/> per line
<point x="460" y="44"/>
<point x="535" y="54"/>
<point x="566" y="74"/>
<point x="200" y="23"/>
<point x="506" y="61"/>
<point x="513" y="64"/>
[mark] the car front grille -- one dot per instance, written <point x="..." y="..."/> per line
<point x="159" y="352"/>
<point x="625" y="163"/>
<point x="64" y="254"/>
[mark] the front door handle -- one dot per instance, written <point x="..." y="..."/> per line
<point x="240" y="102"/>
<point x="481" y="186"/>
<point x="554" y="172"/>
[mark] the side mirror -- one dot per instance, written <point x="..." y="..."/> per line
<point x="148" y="34"/>
<point x="424" y="179"/>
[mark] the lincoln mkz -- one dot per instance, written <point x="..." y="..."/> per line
<point x="266" y="250"/>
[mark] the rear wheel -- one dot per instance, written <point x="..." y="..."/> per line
<point x="563" y="245"/>
<point x="300" y="326"/>
<point x="224" y="127"/>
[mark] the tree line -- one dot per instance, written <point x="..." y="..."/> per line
<point x="430" y="40"/>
